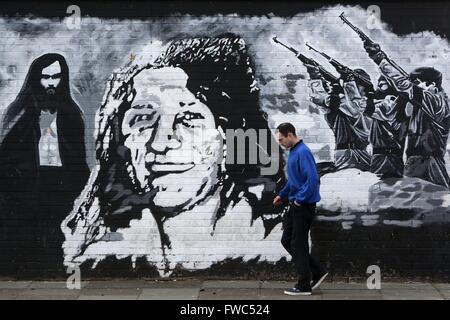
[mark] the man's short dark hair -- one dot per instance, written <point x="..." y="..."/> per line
<point x="286" y="128"/>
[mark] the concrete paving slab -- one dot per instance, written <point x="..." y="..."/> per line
<point x="343" y="286"/>
<point x="62" y="292"/>
<point x="418" y="298"/>
<point x="49" y="294"/>
<point x="143" y="284"/>
<point x="441" y="286"/>
<point x="228" y="294"/>
<point x="217" y="289"/>
<point x="53" y="284"/>
<point x="445" y="294"/>
<point x="118" y="284"/>
<point x="443" y="289"/>
<point x="411" y="295"/>
<point x="337" y="291"/>
<point x="277" y="284"/>
<point x="350" y="294"/>
<point x="10" y="294"/>
<point x="46" y="297"/>
<point x="407" y="285"/>
<point x="107" y="297"/>
<point x="192" y="284"/>
<point x="14" y="284"/>
<point x="357" y="297"/>
<point x="106" y="292"/>
<point x="169" y="294"/>
<point x="234" y="284"/>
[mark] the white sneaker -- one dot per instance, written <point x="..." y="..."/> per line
<point x="297" y="292"/>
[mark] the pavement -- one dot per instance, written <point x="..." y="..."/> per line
<point x="196" y="289"/>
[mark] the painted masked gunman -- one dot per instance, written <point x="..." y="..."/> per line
<point x="388" y="131"/>
<point x="42" y="161"/>
<point x="343" y="106"/>
<point x="428" y="108"/>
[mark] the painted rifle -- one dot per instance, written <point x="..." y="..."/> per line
<point x="309" y="62"/>
<point x="344" y="70"/>
<point x="366" y="39"/>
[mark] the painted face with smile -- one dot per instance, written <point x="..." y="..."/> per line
<point x="174" y="143"/>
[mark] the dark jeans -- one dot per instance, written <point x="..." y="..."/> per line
<point x="297" y="223"/>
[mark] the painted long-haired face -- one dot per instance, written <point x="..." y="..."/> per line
<point x="172" y="137"/>
<point x="51" y="77"/>
<point x="49" y="74"/>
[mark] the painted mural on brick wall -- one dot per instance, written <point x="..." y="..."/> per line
<point x="162" y="188"/>
<point x="125" y="155"/>
<point x="43" y="164"/>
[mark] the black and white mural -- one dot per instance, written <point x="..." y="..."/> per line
<point x="162" y="188"/>
<point x="115" y="142"/>
<point x="43" y="163"/>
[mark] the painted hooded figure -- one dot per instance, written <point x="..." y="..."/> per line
<point x="19" y="151"/>
<point x="28" y="185"/>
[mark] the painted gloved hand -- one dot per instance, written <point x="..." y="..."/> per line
<point x="336" y="89"/>
<point x="374" y="51"/>
<point x="314" y="72"/>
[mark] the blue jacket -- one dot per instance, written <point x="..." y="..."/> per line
<point x="303" y="180"/>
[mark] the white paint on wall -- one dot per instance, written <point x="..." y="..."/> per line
<point x="102" y="45"/>
<point x="194" y="246"/>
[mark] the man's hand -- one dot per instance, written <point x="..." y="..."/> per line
<point x="277" y="201"/>
<point x="374" y="51"/>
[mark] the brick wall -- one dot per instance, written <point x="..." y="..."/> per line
<point x="211" y="218"/>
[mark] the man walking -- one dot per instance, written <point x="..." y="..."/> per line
<point x="302" y="190"/>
